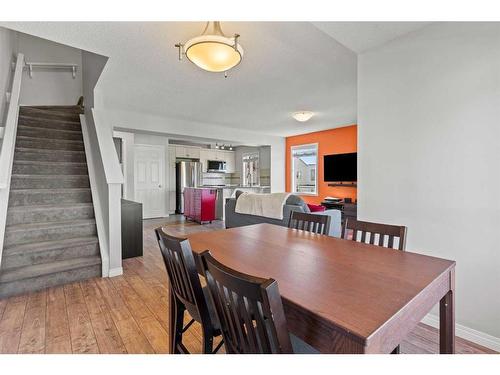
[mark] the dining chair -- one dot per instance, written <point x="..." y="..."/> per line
<point x="319" y="224"/>
<point x="371" y="230"/>
<point x="188" y="293"/>
<point x="250" y="312"/>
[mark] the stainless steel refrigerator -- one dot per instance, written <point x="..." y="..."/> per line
<point x="187" y="174"/>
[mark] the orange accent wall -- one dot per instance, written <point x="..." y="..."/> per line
<point x="333" y="141"/>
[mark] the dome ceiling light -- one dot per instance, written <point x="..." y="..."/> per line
<point x="302" y="116"/>
<point x="212" y="51"/>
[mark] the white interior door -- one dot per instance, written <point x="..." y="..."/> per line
<point x="149" y="175"/>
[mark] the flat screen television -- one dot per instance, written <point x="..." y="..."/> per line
<point x="340" y="167"/>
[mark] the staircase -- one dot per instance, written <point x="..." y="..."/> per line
<point x="51" y="235"/>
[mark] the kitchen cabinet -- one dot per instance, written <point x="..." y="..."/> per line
<point x="222" y="155"/>
<point x="190" y="152"/>
<point x="205" y="155"/>
<point x="180" y="152"/>
<point x="229" y="158"/>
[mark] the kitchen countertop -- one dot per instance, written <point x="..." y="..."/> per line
<point x="235" y="187"/>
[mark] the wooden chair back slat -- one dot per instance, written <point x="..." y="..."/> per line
<point x="260" y="329"/>
<point x="391" y="242"/>
<point x="381" y="239"/>
<point x="183" y="288"/>
<point x="253" y="345"/>
<point x="319" y="224"/>
<point x="392" y="232"/>
<point x="250" y="310"/>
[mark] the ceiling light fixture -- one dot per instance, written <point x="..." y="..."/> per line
<point x="212" y="51"/>
<point x="223" y="146"/>
<point x="302" y="116"/>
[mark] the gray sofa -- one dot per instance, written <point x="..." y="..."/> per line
<point x="293" y="203"/>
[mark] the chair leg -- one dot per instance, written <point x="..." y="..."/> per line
<point x="397" y="350"/>
<point x="208" y="343"/>
<point x="218" y="346"/>
<point x="179" y="321"/>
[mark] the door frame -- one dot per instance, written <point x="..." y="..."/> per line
<point x="158" y="147"/>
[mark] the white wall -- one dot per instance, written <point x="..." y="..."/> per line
<point x="49" y="86"/>
<point x="429" y="153"/>
<point x="8" y="48"/>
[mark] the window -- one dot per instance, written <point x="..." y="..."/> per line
<point x="251" y="169"/>
<point x="304" y="169"/>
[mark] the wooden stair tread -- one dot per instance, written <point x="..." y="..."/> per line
<point x="29" y="272"/>
<point x="50" y="245"/>
<point x="49" y="225"/>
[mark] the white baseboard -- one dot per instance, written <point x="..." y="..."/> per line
<point x="467" y="333"/>
<point x="115" y="272"/>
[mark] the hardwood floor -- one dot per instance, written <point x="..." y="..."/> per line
<point x="128" y="313"/>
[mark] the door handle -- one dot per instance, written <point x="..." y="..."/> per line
<point x="159" y="186"/>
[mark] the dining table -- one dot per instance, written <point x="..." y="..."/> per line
<point x="341" y="296"/>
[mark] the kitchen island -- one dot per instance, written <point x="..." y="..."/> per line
<point x="228" y="191"/>
<point x="199" y="204"/>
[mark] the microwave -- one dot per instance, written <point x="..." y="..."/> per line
<point x="216" y="166"/>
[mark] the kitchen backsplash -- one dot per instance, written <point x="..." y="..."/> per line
<point x="233" y="178"/>
<point x="265" y="177"/>
<point x="213" y="178"/>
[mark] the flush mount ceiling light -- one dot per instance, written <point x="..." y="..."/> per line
<point x="212" y="51"/>
<point x="303" y="116"/>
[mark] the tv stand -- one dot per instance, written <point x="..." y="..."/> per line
<point x="340" y="184"/>
<point x="348" y="210"/>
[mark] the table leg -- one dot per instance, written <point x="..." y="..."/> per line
<point x="171" y="321"/>
<point x="447" y="320"/>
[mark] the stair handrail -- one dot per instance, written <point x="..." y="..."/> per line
<point x="30" y="65"/>
<point x="8" y="145"/>
<point x="10" y="130"/>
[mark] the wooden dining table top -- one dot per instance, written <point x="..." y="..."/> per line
<point x="356" y="286"/>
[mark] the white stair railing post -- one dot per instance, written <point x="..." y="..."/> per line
<point x="106" y="179"/>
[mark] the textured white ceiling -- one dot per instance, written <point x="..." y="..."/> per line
<point x="361" y="36"/>
<point x="288" y="66"/>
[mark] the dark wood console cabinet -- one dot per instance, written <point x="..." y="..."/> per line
<point x="132" y="245"/>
